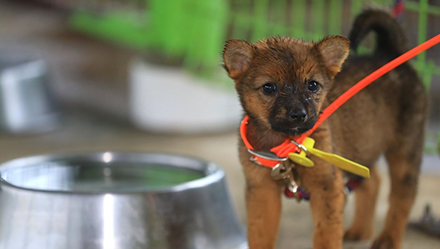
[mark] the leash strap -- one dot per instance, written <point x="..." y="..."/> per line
<point x="372" y="77"/>
<point x="283" y="150"/>
<point x="287" y="146"/>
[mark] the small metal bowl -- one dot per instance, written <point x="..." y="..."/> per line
<point x="115" y="200"/>
<point x="27" y="103"/>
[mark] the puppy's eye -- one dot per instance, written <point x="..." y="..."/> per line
<point x="313" y="86"/>
<point x="269" y="88"/>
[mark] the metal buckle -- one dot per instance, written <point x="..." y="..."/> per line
<point x="254" y="160"/>
<point x="280" y="172"/>
<point x="302" y="147"/>
<point x="267" y="155"/>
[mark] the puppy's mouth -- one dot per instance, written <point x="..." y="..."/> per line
<point x="292" y="131"/>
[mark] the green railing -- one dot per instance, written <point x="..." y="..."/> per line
<point x="191" y="30"/>
<point x="195" y="30"/>
<point x="427" y="68"/>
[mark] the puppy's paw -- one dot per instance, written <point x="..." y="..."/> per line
<point x="384" y="242"/>
<point x="355" y="234"/>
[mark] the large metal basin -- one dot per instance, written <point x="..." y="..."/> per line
<point x="115" y="201"/>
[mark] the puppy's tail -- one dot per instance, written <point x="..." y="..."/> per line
<point x="390" y="38"/>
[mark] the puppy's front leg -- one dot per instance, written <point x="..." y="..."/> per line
<point x="263" y="206"/>
<point x="327" y="204"/>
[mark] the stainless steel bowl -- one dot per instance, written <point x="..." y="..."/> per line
<point x="27" y="104"/>
<point x="115" y="201"/>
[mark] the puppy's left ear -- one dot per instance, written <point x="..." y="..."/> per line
<point x="334" y="50"/>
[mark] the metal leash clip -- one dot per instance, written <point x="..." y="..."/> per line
<point x="292" y="186"/>
<point x="280" y="172"/>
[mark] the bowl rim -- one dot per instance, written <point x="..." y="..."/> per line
<point x="212" y="172"/>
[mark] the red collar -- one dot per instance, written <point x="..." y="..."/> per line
<point x="281" y="151"/>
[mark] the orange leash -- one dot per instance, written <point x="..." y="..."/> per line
<point x="287" y="146"/>
<point x="370" y="78"/>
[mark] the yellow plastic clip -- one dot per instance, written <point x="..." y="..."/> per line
<point x="334" y="159"/>
<point x="302" y="158"/>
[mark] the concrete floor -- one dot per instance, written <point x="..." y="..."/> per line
<point x="82" y="132"/>
<point x="77" y="70"/>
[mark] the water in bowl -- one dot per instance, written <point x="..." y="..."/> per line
<point x="98" y="177"/>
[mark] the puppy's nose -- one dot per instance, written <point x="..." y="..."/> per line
<point x="298" y="115"/>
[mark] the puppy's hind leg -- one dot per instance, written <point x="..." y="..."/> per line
<point x="366" y="197"/>
<point x="404" y="171"/>
<point x="404" y="157"/>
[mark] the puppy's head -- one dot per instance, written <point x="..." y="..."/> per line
<point x="282" y="82"/>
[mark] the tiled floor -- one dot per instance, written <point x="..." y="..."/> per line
<point x="80" y="81"/>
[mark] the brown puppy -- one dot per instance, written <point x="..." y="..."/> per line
<point x="284" y="84"/>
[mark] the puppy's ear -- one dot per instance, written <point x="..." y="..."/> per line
<point x="237" y="55"/>
<point x="334" y="51"/>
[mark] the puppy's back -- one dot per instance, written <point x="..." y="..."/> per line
<point x="367" y="124"/>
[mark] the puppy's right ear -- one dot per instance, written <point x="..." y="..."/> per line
<point x="237" y="56"/>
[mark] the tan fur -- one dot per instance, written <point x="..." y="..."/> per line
<point x="387" y="118"/>
<point x="366" y="197"/>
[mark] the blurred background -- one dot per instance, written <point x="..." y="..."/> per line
<point x="146" y="75"/>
